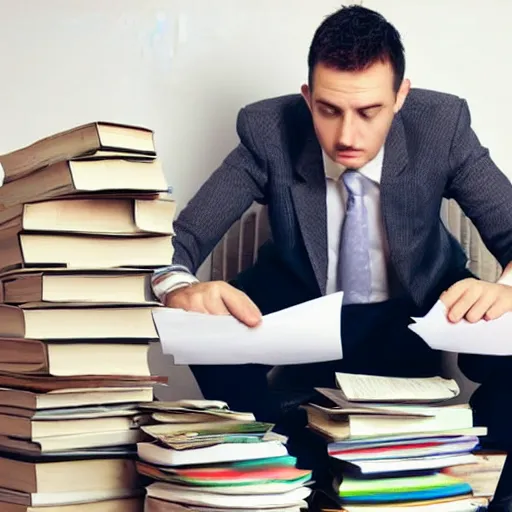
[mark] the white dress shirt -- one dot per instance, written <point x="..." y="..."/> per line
<point x="336" y="200"/>
<point x="171" y="278"/>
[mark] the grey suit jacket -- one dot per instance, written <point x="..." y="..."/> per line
<point x="431" y="152"/>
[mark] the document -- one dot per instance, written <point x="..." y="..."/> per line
<point x="306" y="333"/>
<point x="483" y="337"/>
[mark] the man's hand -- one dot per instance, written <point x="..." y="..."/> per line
<point x="475" y="300"/>
<point x="215" y="298"/>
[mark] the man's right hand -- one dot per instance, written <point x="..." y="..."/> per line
<point x="215" y="298"/>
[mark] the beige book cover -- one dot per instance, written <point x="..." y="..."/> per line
<point x="101" y="216"/>
<point x="84" y="177"/>
<point x="84" y="323"/>
<point x="77" y="141"/>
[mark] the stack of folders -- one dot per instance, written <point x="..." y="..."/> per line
<point x="202" y="456"/>
<point x="85" y="218"/>
<point x="396" y="442"/>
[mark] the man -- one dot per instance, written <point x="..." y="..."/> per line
<point x="353" y="172"/>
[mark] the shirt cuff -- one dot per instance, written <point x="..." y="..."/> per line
<point x="166" y="282"/>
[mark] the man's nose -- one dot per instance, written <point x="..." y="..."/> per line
<point x="346" y="133"/>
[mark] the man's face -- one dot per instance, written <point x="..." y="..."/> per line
<point x="353" y="110"/>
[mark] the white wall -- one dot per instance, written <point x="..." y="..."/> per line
<point x="462" y="47"/>
<point x="185" y="67"/>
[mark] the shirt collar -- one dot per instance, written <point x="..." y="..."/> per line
<point x="372" y="170"/>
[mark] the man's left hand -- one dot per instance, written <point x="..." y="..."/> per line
<point x="475" y="300"/>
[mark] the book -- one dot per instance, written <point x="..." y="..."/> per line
<point x="19" y="249"/>
<point x="44" y="500"/>
<point x="78" y="286"/>
<point x="406" y="465"/>
<point x="202" y="435"/>
<point x="56" y="444"/>
<point x="234" y="474"/>
<point x="36" y="430"/>
<point x="455" y="504"/>
<point x="69" y="476"/>
<point x="116" y="505"/>
<point x="375" y="388"/>
<point x="338" y="406"/>
<point x="399" y="489"/>
<point x="194" y="411"/>
<point x="74" y="412"/>
<point x="101" y="216"/>
<point x="29" y="402"/>
<point x="86" y="139"/>
<point x="83" y="177"/>
<point x="25" y="356"/>
<point x="361" y="425"/>
<point x="99" y="323"/>
<point x="163" y="456"/>
<point x="163" y="491"/>
<point x="483" y="474"/>
<point x="46" y="383"/>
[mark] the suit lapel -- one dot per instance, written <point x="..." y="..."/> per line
<point x="309" y="196"/>
<point x="398" y="204"/>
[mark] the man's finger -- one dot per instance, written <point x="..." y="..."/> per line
<point x="241" y="306"/>
<point x="498" y="309"/>
<point x="454" y="293"/>
<point x="216" y="307"/>
<point x="480" y="308"/>
<point x="465" y="302"/>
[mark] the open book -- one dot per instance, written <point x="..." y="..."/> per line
<point x="372" y="388"/>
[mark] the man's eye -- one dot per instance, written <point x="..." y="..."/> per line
<point x="368" y="114"/>
<point x="326" y="111"/>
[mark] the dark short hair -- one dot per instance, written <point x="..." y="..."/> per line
<point x="353" y="38"/>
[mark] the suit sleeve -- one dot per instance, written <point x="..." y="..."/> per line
<point x="483" y="192"/>
<point x="239" y="181"/>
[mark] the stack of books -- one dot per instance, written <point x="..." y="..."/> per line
<point x="203" y="456"/>
<point x="85" y="218"/>
<point x="396" y="442"/>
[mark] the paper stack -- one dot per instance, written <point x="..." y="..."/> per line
<point x="203" y="456"/>
<point x="85" y="217"/>
<point x="394" y="442"/>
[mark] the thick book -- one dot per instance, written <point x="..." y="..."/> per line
<point x="61" y="359"/>
<point x="29" y="403"/>
<point x="103" y="215"/>
<point x="44" y="500"/>
<point x="347" y="426"/>
<point x="81" y="140"/>
<point x="36" y="430"/>
<point x="83" y="323"/>
<point x="58" y="444"/>
<point x="84" y="177"/>
<point x="115" y="505"/>
<point x="19" y="249"/>
<point x="76" y="286"/>
<point x="68" y="476"/>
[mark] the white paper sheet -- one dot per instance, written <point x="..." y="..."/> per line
<point x="306" y="333"/>
<point x="484" y="337"/>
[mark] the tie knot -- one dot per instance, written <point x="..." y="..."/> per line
<point x="354" y="181"/>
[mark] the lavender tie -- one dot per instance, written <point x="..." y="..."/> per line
<point x="354" y="274"/>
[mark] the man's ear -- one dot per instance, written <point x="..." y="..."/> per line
<point x="306" y="94"/>
<point x="401" y="95"/>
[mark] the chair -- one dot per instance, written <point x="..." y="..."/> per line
<point x="238" y="250"/>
